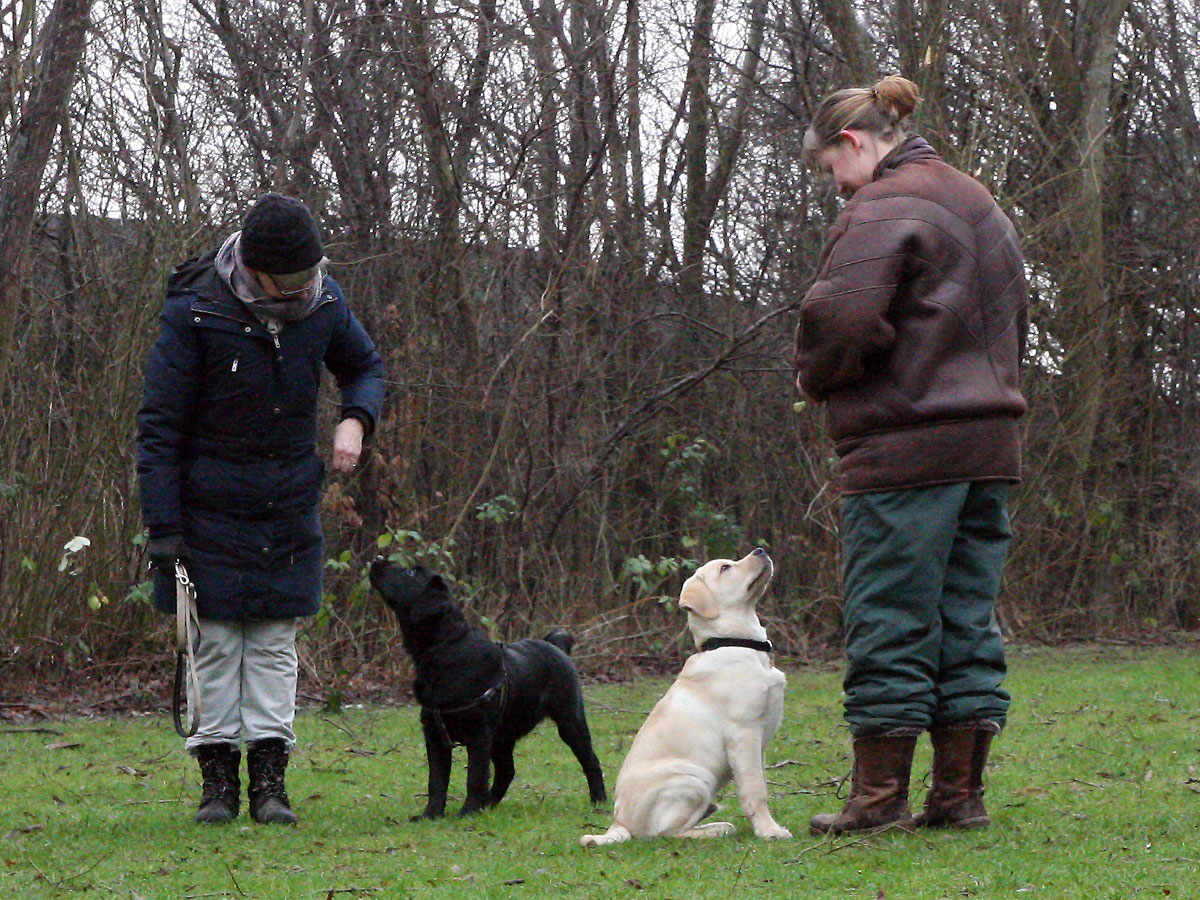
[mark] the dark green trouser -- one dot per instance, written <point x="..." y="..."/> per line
<point x="921" y="568"/>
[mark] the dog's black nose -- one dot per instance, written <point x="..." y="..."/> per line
<point x="758" y="551"/>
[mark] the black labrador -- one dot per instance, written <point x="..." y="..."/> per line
<point x="479" y="693"/>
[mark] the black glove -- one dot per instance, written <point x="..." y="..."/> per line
<point x="164" y="551"/>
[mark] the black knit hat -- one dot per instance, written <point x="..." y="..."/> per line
<point x="280" y="236"/>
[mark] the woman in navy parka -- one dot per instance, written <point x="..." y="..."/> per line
<point x="230" y="479"/>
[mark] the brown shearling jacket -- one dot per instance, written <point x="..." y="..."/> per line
<point x="913" y="331"/>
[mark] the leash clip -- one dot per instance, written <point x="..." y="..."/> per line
<point x="185" y="581"/>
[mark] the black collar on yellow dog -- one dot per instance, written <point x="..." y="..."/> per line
<point x="717" y="643"/>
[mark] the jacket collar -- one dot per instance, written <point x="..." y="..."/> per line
<point x="243" y="285"/>
<point x="911" y="150"/>
<point x="200" y="277"/>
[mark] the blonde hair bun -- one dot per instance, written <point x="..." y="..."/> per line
<point x="881" y="110"/>
<point x="897" y="95"/>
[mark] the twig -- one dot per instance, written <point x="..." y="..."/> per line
<point x="875" y="833"/>
<point x="31" y="731"/>
<point x="1093" y="750"/>
<point x="817" y="845"/>
<point x="615" y="709"/>
<point x="233" y="878"/>
<point x="57" y="883"/>
<point x="741" y="865"/>
<point x="340" y="728"/>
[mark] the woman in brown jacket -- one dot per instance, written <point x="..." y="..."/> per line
<point x="911" y="338"/>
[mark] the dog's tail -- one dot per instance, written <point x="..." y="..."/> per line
<point x="617" y="834"/>
<point x="561" y="638"/>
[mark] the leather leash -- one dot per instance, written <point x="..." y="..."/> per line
<point x="187" y="638"/>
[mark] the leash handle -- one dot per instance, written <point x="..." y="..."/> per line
<point x="187" y="638"/>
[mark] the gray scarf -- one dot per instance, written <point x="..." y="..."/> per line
<point x="268" y="310"/>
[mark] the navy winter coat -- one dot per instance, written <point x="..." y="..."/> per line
<point x="227" y="442"/>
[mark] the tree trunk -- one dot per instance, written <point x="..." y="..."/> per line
<point x="695" y="152"/>
<point x="61" y="51"/>
<point x="851" y="40"/>
<point x="705" y="190"/>
<point x="1084" y="79"/>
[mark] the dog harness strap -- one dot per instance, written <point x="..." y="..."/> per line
<point x="717" y="643"/>
<point x="483" y="698"/>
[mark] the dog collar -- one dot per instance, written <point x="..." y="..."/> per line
<point x="716" y="643"/>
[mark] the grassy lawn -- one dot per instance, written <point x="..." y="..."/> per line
<point x="1093" y="790"/>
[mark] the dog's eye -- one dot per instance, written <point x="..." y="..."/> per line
<point x="726" y="566"/>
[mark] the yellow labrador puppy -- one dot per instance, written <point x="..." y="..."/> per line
<point x="713" y="722"/>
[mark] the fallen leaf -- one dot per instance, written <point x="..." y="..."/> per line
<point x="25" y="829"/>
<point x="130" y="770"/>
<point x="64" y="745"/>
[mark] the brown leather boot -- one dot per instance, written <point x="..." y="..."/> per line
<point x="221" y="798"/>
<point x="878" y="786"/>
<point x="266" y="762"/>
<point x="960" y="753"/>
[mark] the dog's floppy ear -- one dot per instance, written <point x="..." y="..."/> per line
<point x="433" y="601"/>
<point x="698" y="597"/>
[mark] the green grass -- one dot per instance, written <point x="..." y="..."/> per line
<point x="1092" y="790"/>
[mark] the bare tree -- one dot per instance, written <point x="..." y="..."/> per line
<point x="59" y="51"/>
<point x="578" y="232"/>
<point x="705" y="189"/>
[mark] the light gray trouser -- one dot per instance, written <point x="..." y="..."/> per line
<point x="247" y="674"/>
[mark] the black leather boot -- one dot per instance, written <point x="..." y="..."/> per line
<point x="221" y="799"/>
<point x="266" y="762"/>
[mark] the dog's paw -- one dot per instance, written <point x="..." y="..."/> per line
<point x="708" y="830"/>
<point x="425" y="816"/>
<point x="776" y="833"/>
